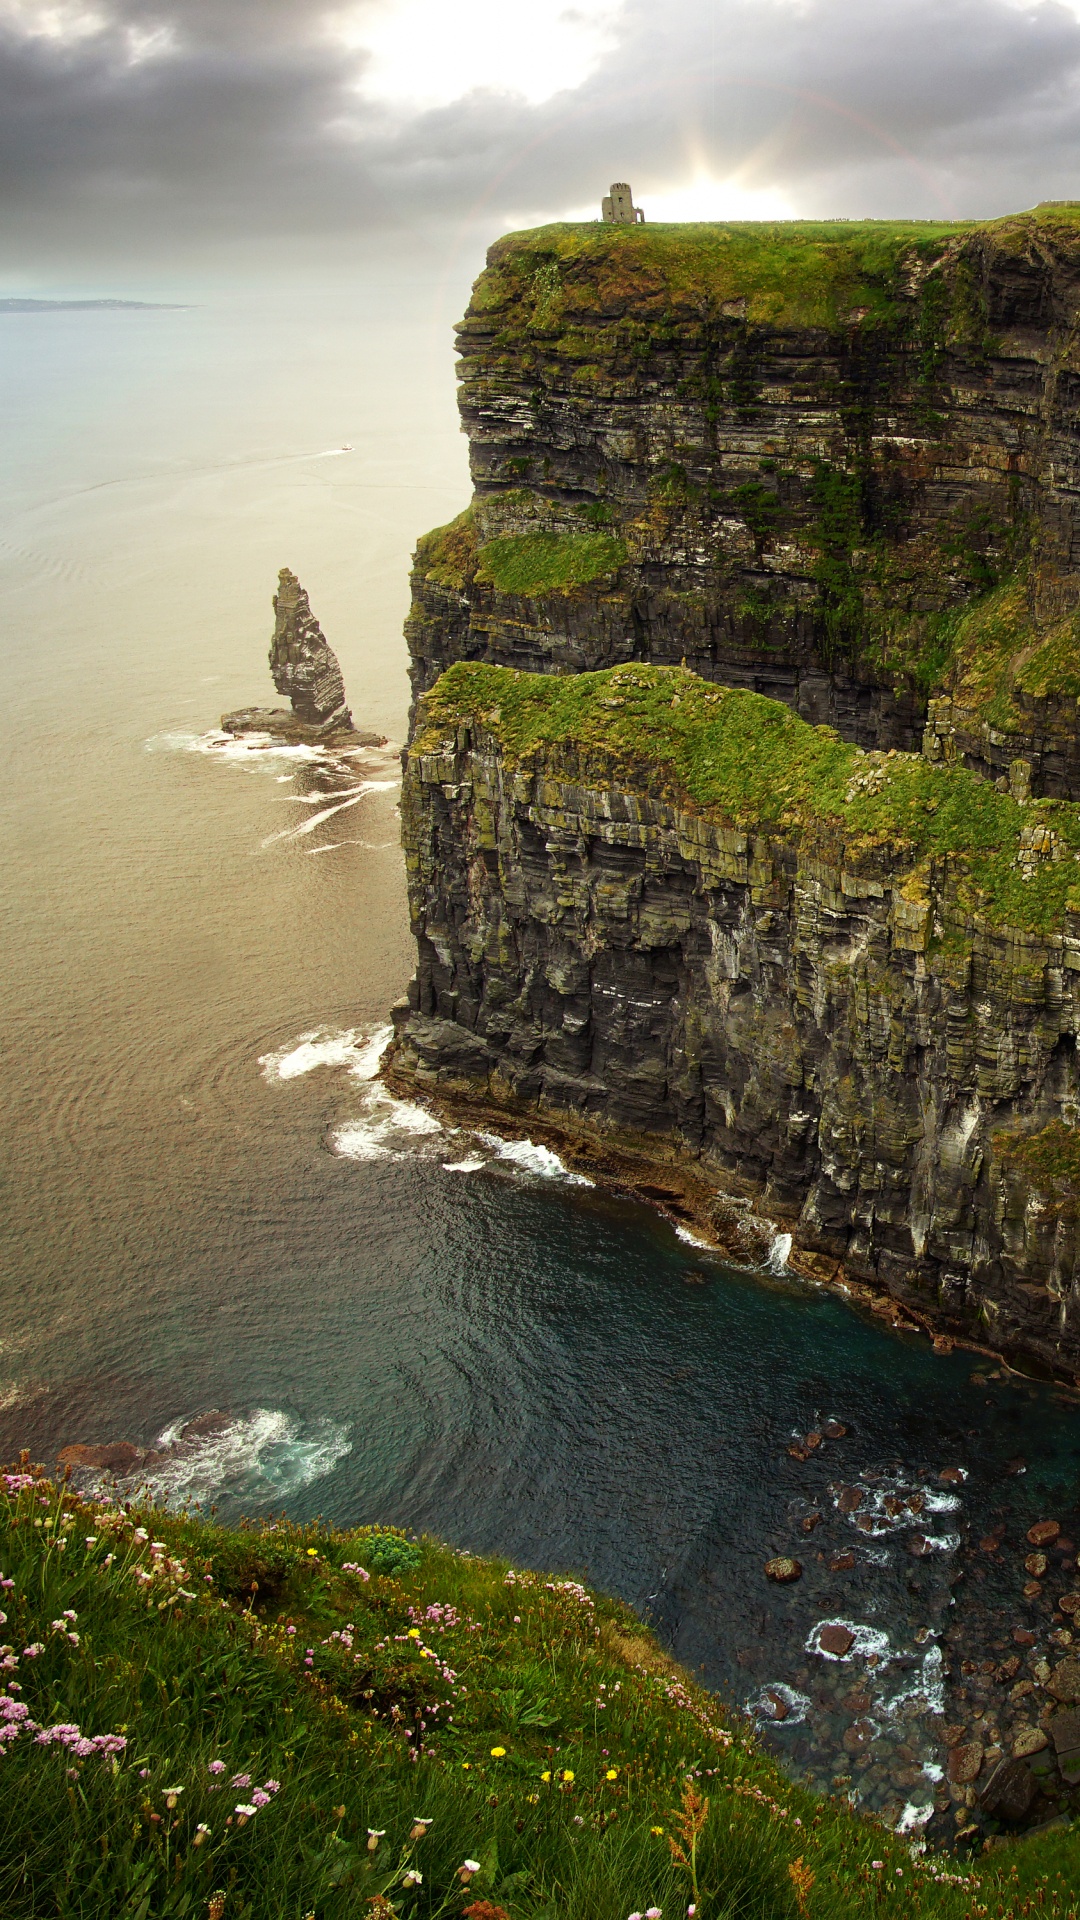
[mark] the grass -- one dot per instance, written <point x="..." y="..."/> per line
<point x="754" y="764"/>
<point x="790" y="273"/>
<point x="447" y="554"/>
<point x="318" y="1723"/>
<point x="539" y="563"/>
<point x="997" y="650"/>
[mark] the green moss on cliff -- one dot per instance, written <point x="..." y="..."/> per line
<point x="759" y="766"/>
<point x="447" y="554"/>
<point x="544" y="562"/>
<point x="1048" y="1160"/>
<point x="779" y="273"/>
<point x="999" y="651"/>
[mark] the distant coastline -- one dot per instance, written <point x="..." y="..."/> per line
<point x="20" y="305"/>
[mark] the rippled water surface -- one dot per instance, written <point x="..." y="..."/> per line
<point x="209" y="1204"/>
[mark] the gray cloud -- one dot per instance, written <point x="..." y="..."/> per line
<point x="249" y="127"/>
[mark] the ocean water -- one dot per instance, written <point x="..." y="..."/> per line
<point x="211" y="1205"/>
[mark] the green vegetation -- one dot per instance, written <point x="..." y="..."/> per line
<point x="790" y="273"/>
<point x="1048" y="1160"/>
<point x="756" y="765"/>
<point x="447" y="554"/>
<point x="448" y="1738"/>
<point x="998" y="650"/>
<point x="540" y="563"/>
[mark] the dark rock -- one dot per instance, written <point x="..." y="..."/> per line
<point x="783" y="1569"/>
<point x="836" y="1639"/>
<point x="773" y="1704"/>
<point x="1036" y="1564"/>
<point x="811" y="1520"/>
<point x="841" y="1562"/>
<point x="1023" y="1637"/>
<point x="952" y="1476"/>
<point x="120" y="1457"/>
<point x="965" y="1763"/>
<point x="1043" y="1533"/>
<point x="850" y="1499"/>
<point x="1064" y="1682"/>
<point x="1065" y="1730"/>
<point x="858" y="1736"/>
<point x="834" y="1430"/>
<point x="301" y="663"/>
<point x="1009" y="1792"/>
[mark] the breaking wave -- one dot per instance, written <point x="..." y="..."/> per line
<point x="350" y="1047"/>
<point x="264" y="1455"/>
<point x="530" y="1157"/>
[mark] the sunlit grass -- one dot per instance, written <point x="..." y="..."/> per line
<point x="297" y="1732"/>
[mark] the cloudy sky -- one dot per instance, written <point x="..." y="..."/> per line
<point x="138" y="131"/>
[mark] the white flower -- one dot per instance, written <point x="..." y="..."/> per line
<point x="473" y="1865"/>
<point x="412" y="1878"/>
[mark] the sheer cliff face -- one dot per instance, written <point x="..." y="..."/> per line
<point x="792" y="458"/>
<point x="823" y="945"/>
<point x="799" y="984"/>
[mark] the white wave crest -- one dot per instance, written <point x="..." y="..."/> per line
<point x="532" y="1158"/>
<point x="239" y="748"/>
<point x="387" y="1126"/>
<point x="350" y="1047"/>
<point x="926" y="1693"/>
<point x="262" y="1455"/>
<point x="779" y="1254"/>
<point x="762" y="1706"/>
<point x="694" y="1240"/>
<point x="473" y="1165"/>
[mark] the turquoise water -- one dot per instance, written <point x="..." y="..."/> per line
<point x="208" y="1205"/>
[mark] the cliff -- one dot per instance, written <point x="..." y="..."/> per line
<point x="795" y="457"/>
<point x="732" y="484"/>
<point x="845" y="984"/>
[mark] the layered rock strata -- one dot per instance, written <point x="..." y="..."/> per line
<point x="844" y="984"/>
<point x="305" y="667"/>
<point x="792" y="457"/>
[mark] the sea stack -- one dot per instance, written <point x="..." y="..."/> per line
<point x="306" y="668"/>
<point x="303" y="665"/>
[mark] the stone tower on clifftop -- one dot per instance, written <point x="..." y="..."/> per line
<point x="618" y="209"/>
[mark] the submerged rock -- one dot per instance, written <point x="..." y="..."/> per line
<point x="1009" y="1792"/>
<point x="306" y="668"/>
<point x="783" y="1568"/>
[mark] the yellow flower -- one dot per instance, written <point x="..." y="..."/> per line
<point x="498" y="1753"/>
<point x="546" y="1776"/>
<point x="656" y="1829"/>
<point x="612" y="1773"/>
<point x="465" y="1765"/>
<point x="567" y="1775"/>
<point x="313" y="1553"/>
<point x="414" y="1633"/>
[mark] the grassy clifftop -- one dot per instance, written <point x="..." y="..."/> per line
<point x="290" y="1721"/>
<point x="791" y="273"/>
<point x="757" y="765"/>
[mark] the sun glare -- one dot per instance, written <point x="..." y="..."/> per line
<point x="706" y="199"/>
<point x="427" y="54"/>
